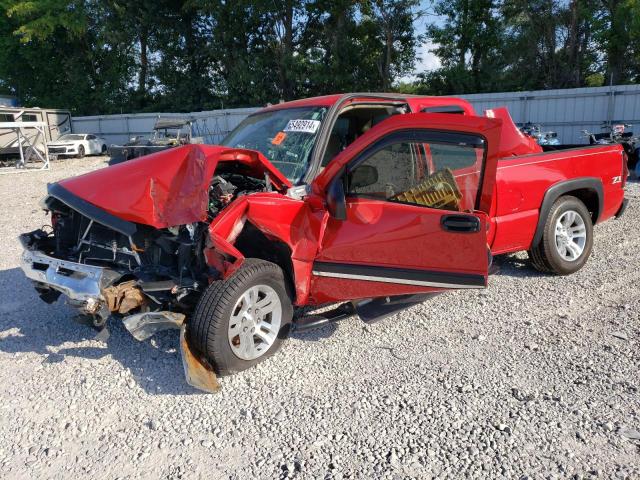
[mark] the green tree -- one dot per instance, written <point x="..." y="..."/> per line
<point x="330" y="47"/>
<point x="468" y="44"/>
<point x="390" y="37"/>
<point x="549" y="44"/>
<point x="52" y="54"/>
<point x="617" y="37"/>
<point x="240" y="55"/>
<point x="497" y="45"/>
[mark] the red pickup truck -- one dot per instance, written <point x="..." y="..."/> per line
<point x="373" y="202"/>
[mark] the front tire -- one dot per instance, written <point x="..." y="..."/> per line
<point x="81" y="151"/>
<point x="242" y="320"/>
<point x="567" y="238"/>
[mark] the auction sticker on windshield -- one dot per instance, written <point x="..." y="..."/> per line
<point x="279" y="138"/>
<point x="303" y="126"/>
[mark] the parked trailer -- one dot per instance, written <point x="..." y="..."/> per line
<point x="28" y="136"/>
<point x="57" y="122"/>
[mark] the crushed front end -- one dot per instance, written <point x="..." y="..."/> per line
<point x="149" y="278"/>
<point x="137" y="266"/>
<point x="106" y="266"/>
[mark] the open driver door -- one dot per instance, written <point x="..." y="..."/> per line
<point x="408" y="207"/>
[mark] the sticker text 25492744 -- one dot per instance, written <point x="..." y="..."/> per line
<point x="304" y="126"/>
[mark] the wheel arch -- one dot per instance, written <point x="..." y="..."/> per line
<point x="253" y="243"/>
<point x="588" y="190"/>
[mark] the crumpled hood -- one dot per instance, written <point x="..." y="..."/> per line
<point x="167" y="188"/>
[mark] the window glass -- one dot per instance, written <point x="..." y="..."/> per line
<point x="70" y="137"/>
<point x="429" y="173"/>
<point x="27" y="117"/>
<point x="91" y="137"/>
<point x="285" y="136"/>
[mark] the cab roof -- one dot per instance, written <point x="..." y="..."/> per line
<point x="417" y="102"/>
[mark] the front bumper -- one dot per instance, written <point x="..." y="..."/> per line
<point x="62" y="150"/>
<point x="83" y="284"/>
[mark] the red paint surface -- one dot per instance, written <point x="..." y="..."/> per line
<point x="512" y="141"/>
<point x="166" y="188"/>
<point x="171" y="188"/>
<point x="377" y="232"/>
<point x="521" y="183"/>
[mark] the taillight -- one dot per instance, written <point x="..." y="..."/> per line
<point x="54" y="219"/>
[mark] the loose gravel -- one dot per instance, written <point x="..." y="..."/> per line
<point x="535" y="377"/>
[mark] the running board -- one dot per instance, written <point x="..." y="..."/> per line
<point x="377" y="309"/>
<point x="317" y="320"/>
<point x="369" y="311"/>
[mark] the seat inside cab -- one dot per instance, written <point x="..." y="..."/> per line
<point x="354" y="121"/>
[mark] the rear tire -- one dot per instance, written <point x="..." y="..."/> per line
<point x="567" y="238"/>
<point x="80" y="151"/>
<point x="242" y="320"/>
<point x="103" y="150"/>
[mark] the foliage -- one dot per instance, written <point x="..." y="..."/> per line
<point x="104" y="56"/>
<point x="110" y="56"/>
<point x="501" y="45"/>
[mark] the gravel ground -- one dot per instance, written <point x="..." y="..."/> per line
<point x="536" y="377"/>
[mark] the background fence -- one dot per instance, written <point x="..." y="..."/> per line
<point x="569" y="111"/>
<point x="566" y="112"/>
<point x="212" y="125"/>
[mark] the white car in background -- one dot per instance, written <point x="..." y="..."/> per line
<point x="78" y="145"/>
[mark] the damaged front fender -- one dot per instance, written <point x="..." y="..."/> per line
<point x="292" y="222"/>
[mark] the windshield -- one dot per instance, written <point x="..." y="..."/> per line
<point x="71" y="137"/>
<point x="286" y="137"/>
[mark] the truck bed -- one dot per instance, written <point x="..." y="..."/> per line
<point x="522" y="182"/>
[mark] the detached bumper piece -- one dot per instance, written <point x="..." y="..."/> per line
<point x="197" y="373"/>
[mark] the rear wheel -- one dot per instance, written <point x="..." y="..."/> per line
<point x="242" y="320"/>
<point x="103" y="149"/>
<point x="567" y="238"/>
<point x="81" y="151"/>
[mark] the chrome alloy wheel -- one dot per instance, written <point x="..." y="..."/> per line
<point x="571" y="235"/>
<point x="255" y="322"/>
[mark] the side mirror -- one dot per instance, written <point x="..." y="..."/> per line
<point x="336" y="200"/>
<point x="363" y="176"/>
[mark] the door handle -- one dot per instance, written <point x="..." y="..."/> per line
<point x="460" y="223"/>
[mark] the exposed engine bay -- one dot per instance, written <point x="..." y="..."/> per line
<point x="227" y="187"/>
<point x="151" y="270"/>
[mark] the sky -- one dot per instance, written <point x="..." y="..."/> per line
<point x="425" y="60"/>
